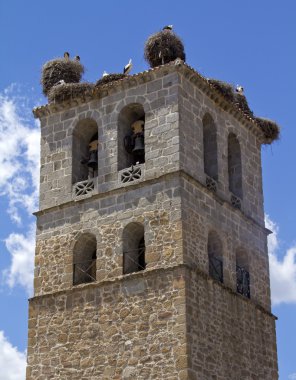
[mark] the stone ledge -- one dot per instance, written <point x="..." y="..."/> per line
<point x="152" y="272"/>
<point x="223" y="201"/>
<point x="178" y="173"/>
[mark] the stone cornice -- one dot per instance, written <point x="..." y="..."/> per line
<point x="146" y="76"/>
<point x="164" y="177"/>
<point x="120" y="280"/>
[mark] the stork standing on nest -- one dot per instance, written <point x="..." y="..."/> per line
<point x="60" y="82"/>
<point x="105" y="74"/>
<point x="127" y="68"/>
<point x="239" y="89"/>
<point x="66" y="56"/>
<point x="168" y="27"/>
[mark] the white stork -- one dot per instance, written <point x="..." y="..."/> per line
<point x="105" y="74"/>
<point x="239" y="89"/>
<point x="168" y="27"/>
<point x="66" y="56"/>
<point x="60" y="82"/>
<point x="127" y="68"/>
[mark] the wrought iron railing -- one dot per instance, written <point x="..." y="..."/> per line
<point x="216" y="268"/>
<point x="243" y="281"/>
<point x="84" y="272"/>
<point x="136" y="257"/>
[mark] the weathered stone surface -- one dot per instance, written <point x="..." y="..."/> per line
<point x="171" y="320"/>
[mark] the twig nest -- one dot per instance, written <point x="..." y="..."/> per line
<point x="60" y="69"/>
<point x="223" y="88"/>
<point x="109" y="78"/>
<point x="229" y="93"/>
<point x="63" y="92"/>
<point x="241" y="101"/>
<point x="270" y="129"/>
<point x="163" y="47"/>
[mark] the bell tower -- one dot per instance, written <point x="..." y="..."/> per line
<point x="151" y="253"/>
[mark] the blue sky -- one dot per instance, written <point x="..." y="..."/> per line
<point x="251" y="43"/>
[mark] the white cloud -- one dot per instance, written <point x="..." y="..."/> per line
<point x="292" y="376"/>
<point x="21" y="248"/>
<point x="282" y="271"/>
<point x="19" y="153"/>
<point x="12" y="361"/>
<point x="19" y="180"/>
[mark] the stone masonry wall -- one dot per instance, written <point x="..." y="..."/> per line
<point x="229" y="338"/>
<point x="170" y="321"/>
<point x="203" y="212"/>
<point x="156" y="205"/>
<point x="159" y="99"/>
<point x="128" y="329"/>
<point x="193" y="105"/>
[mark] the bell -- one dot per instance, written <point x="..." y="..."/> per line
<point x="139" y="148"/>
<point x="93" y="159"/>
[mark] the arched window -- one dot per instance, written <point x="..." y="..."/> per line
<point x="210" y="147"/>
<point x="133" y="248"/>
<point x="131" y="145"/>
<point x="84" y="259"/>
<point x="234" y="166"/>
<point x="215" y="254"/>
<point x="242" y="273"/>
<point x="85" y="151"/>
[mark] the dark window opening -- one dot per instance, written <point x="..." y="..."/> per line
<point x="133" y="248"/>
<point x="215" y="255"/>
<point x="131" y="141"/>
<point x="234" y="166"/>
<point x="210" y="147"/>
<point x="84" y="260"/>
<point x="216" y="268"/>
<point x="243" y="281"/>
<point x="242" y="273"/>
<point x="85" y="151"/>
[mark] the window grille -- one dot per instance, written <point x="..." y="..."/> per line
<point x="84" y="272"/>
<point x="131" y="174"/>
<point x="236" y="201"/>
<point x="136" y="257"/>
<point x="84" y="187"/>
<point x="216" y="268"/>
<point x="242" y="281"/>
<point x="211" y="184"/>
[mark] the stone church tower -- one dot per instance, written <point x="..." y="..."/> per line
<point x="151" y="254"/>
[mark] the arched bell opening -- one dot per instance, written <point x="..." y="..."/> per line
<point x="215" y="255"/>
<point x="84" y="259"/>
<point x="85" y="151"/>
<point x="242" y="273"/>
<point x="131" y="142"/>
<point x="133" y="248"/>
<point x="235" y="166"/>
<point x="210" y="147"/>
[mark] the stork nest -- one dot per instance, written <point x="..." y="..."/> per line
<point x="109" y="78"/>
<point x="270" y="129"/>
<point x="223" y="88"/>
<point x="60" y="69"/>
<point x="163" y="47"/>
<point x="241" y="102"/>
<point x="227" y="90"/>
<point x="68" y="91"/>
